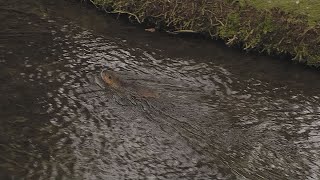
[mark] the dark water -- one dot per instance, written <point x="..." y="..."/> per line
<point x="220" y="113"/>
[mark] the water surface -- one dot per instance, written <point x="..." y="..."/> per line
<point x="219" y="114"/>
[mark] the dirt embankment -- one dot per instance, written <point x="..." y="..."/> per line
<point x="238" y="23"/>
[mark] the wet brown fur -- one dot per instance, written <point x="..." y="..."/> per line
<point x="113" y="81"/>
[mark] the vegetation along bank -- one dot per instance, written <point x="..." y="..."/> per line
<point x="281" y="27"/>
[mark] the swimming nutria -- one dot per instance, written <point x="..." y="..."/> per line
<point x="113" y="81"/>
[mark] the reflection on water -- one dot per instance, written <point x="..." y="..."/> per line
<point x="213" y="116"/>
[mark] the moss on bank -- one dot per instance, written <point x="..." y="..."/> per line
<point x="275" y="28"/>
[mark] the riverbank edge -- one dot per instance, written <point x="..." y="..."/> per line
<point x="272" y="31"/>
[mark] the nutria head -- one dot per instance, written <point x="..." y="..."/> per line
<point x="110" y="78"/>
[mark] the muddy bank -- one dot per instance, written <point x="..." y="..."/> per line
<point x="239" y="23"/>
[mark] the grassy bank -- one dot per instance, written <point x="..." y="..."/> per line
<point x="289" y="27"/>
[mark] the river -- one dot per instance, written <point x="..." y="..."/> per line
<point x="219" y="113"/>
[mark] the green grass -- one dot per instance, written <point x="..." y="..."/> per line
<point x="308" y="8"/>
<point x="277" y="27"/>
